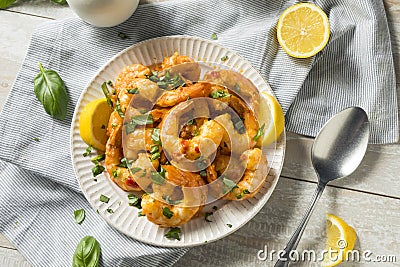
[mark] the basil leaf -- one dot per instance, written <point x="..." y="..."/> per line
<point x="61" y="2"/>
<point x="173" y="233"/>
<point x="135" y="170"/>
<point x="167" y="212"/>
<point x="130" y="128"/>
<point x="97" y="170"/>
<point x="219" y="94"/>
<point x="208" y="214"/>
<point x="6" y="3"/>
<point x="260" y="133"/>
<point x="170" y="201"/>
<point x="125" y="163"/>
<point x="229" y="225"/>
<point x="155" y="156"/>
<point x="104" y="198"/>
<point x="51" y="92"/>
<point x="79" y="216"/>
<point x="111" y="211"/>
<point x="143" y="119"/>
<point x="115" y="173"/>
<point x="87" y="253"/>
<point x="106" y="93"/>
<point x="134" y="201"/>
<point x="88" y="151"/>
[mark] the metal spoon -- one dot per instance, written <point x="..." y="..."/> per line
<point x="337" y="151"/>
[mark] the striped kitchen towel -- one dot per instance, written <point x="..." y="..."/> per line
<point x="39" y="192"/>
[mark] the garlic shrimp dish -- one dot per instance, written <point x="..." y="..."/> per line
<point x="181" y="138"/>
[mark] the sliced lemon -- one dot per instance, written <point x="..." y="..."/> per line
<point x="93" y="123"/>
<point x="271" y="116"/>
<point x="303" y="30"/>
<point x="341" y="239"/>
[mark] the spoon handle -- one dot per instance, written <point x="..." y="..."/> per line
<point x="284" y="258"/>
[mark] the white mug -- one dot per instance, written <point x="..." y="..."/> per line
<point x="104" y="13"/>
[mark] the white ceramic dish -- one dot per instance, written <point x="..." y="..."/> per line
<point x="125" y="218"/>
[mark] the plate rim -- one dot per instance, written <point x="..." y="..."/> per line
<point x="74" y="121"/>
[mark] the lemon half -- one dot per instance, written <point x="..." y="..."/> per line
<point x="303" y="30"/>
<point x="93" y="123"/>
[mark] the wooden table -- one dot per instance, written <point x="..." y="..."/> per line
<point x="369" y="200"/>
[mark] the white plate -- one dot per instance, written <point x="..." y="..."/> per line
<point x="125" y="218"/>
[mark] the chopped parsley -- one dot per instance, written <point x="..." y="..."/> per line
<point x="110" y="211"/>
<point x="98" y="158"/>
<point x="88" y="151"/>
<point x="154" y="149"/>
<point x="135" y="170"/>
<point x="79" y="216"/>
<point x="125" y="163"/>
<point x="167" y="82"/>
<point x="228" y="185"/>
<point x="118" y="109"/>
<point x="155" y="156"/>
<point x="219" y="94"/>
<point x="106" y="93"/>
<point x="224" y="58"/>
<point x="97" y="170"/>
<point x="104" y="198"/>
<point x="206" y="215"/>
<point x="173" y="233"/>
<point x="36" y="139"/>
<point x="134" y="201"/>
<point x="214" y="36"/>
<point x="167" y="212"/>
<point x="260" y="133"/>
<point x="245" y="192"/>
<point x="229" y="225"/>
<point x="133" y="91"/>
<point x="122" y="35"/>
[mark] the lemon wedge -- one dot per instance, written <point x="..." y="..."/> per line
<point x="93" y="123"/>
<point x="271" y="116"/>
<point x="303" y="30"/>
<point x="341" y="239"/>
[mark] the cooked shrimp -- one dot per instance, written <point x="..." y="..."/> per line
<point x="194" y="196"/>
<point x="176" y="59"/>
<point x="256" y="172"/>
<point x="128" y="76"/>
<point x="174" y="97"/>
<point x="143" y="167"/>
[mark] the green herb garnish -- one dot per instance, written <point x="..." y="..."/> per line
<point x="135" y="170"/>
<point x="133" y="91"/>
<point x="155" y="156"/>
<point x="134" y="201"/>
<point x="214" y="36"/>
<point x="170" y="83"/>
<point x="173" y="233"/>
<point x="36" y="139"/>
<point x="118" y="109"/>
<point x="87" y="253"/>
<point x="156" y="136"/>
<point x="154" y="149"/>
<point x="224" y="58"/>
<point x="125" y="163"/>
<point x="260" y="133"/>
<point x="122" y="35"/>
<point x="167" y="212"/>
<point x="98" y="169"/>
<point x="99" y="158"/>
<point x="88" y="151"/>
<point x="229" y="225"/>
<point x="79" y="216"/>
<point x="110" y="83"/>
<point x="228" y="185"/>
<point x="140" y="214"/>
<point x="203" y="173"/>
<point x="206" y="215"/>
<point x="106" y="93"/>
<point x="110" y="211"/>
<point x="138" y="120"/>
<point x="219" y="94"/>
<point x="104" y="198"/>
<point x="115" y="173"/>
<point x="157" y="178"/>
<point x="170" y="201"/>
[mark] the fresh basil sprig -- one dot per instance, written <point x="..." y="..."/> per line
<point x="87" y="253"/>
<point x="51" y="92"/>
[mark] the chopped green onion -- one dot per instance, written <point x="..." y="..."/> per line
<point x="154" y="149"/>
<point x="135" y="170"/>
<point x="115" y="173"/>
<point x="170" y="201"/>
<point x="260" y="133"/>
<point x="156" y="136"/>
<point x="97" y="170"/>
<point x="110" y="211"/>
<point x="88" y="151"/>
<point x="104" y="198"/>
<point x="106" y="93"/>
